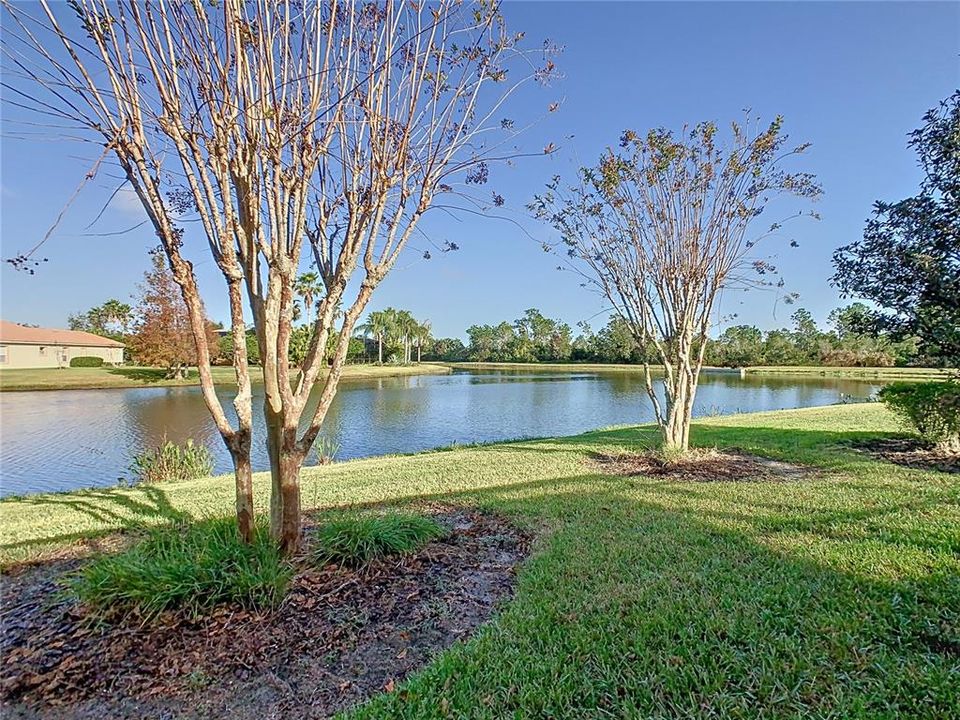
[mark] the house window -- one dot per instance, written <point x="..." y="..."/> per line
<point x="43" y="350"/>
<point x="3" y="354"/>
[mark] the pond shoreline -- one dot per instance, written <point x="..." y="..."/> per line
<point x="94" y="435"/>
<point x="78" y="519"/>
<point x="105" y="378"/>
<point x="730" y="586"/>
<point x="867" y="373"/>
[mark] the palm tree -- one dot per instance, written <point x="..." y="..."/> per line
<point x="422" y="335"/>
<point x="405" y="328"/>
<point x="308" y="286"/>
<point x="115" y="311"/>
<point x="377" y="326"/>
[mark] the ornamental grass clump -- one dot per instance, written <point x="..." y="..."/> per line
<point x="172" y="462"/>
<point x="186" y="568"/>
<point x="357" y="541"/>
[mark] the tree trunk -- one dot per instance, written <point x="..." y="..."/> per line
<point x="418" y="353"/>
<point x="680" y="392"/>
<point x="676" y="430"/>
<point x="177" y="372"/>
<point x="285" y="462"/>
<point x="380" y="349"/>
<point x="243" y="473"/>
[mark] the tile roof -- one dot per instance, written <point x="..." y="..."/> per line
<point x="18" y="334"/>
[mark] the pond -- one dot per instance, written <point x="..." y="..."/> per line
<point x="68" y="439"/>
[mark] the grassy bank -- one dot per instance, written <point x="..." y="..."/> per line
<point x="560" y="367"/>
<point x="885" y="373"/>
<point x="837" y="595"/>
<point x="123" y="377"/>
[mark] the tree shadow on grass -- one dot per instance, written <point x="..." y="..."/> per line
<point x="143" y="374"/>
<point x="634" y="608"/>
<point x="123" y="510"/>
<point x="657" y="598"/>
<point x="824" y="448"/>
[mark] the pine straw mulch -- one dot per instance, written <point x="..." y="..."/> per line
<point x="911" y="452"/>
<point x="339" y="637"/>
<point x="702" y="465"/>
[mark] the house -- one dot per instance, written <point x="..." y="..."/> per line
<point x="30" y="347"/>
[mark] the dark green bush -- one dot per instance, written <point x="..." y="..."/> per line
<point x="356" y="541"/>
<point x="170" y="462"/>
<point x="931" y="408"/>
<point x="86" y="361"/>
<point x="189" y="568"/>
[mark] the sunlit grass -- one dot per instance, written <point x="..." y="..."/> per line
<point x="129" y="376"/>
<point x="834" y="596"/>
<point x="869" y="373"/>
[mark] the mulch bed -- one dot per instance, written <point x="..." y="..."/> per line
<point x="339" y="637"/>
<point x="703" y="466"/>
<point x="911" y="452"/>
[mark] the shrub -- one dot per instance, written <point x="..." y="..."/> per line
<point x="840" y="357"/>
<point x="932" y="409"/>
<point x="357" y="541"/>
<point x="187" y="568"/>
<point x="326" y="448"/>
<point x="171" y="462"/>
<point x="86" y="361"/>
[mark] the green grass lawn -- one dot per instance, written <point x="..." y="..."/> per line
<point x="835" y="596"/>
<point x="878" y="373"/>
<point x="114" y="377"/>
<point x="562" y="367"/>
<point x="884" y="373"/>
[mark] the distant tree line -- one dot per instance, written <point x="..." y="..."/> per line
<point x="156" y="335"/>
<point x="395" y="335"/>
<point x="852" y="340"/>
<point x="530" y="338"/>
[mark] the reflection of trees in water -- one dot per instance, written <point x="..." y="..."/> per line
<point x="627" y="383"/>
<point x="94" y="432"/>
<point x="728" y="392"/>
<point x="394" y="403"/>
<point x="176" y="414"/>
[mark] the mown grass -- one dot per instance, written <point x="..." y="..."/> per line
<point x="558" y="367"/>
<point x="871" y="373"/>
<point x="884" y="373"/>
<point x="120" y="377"/>
<point x="836" y="596"/>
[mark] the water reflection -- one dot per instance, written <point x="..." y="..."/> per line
<point x="78" y="438"/>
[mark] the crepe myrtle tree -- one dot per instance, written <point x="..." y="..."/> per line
<point x="299" y="137"/>
<point x="662" y="225"/>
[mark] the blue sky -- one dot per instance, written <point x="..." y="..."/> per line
<point x="852" y="78"/>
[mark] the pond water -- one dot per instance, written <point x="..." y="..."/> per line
<point x="68" y="439"/>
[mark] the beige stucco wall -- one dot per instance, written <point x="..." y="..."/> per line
<point x="42" y="356"/>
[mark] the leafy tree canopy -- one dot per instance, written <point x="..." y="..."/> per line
<point x="908" y="261"/>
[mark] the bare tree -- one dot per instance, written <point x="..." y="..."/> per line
<point x="660" y="227"/>
<point x="300" y="135"/>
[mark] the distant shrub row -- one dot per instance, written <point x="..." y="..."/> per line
<point x="86" y="361"/>
<point x="932" y="409"/>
